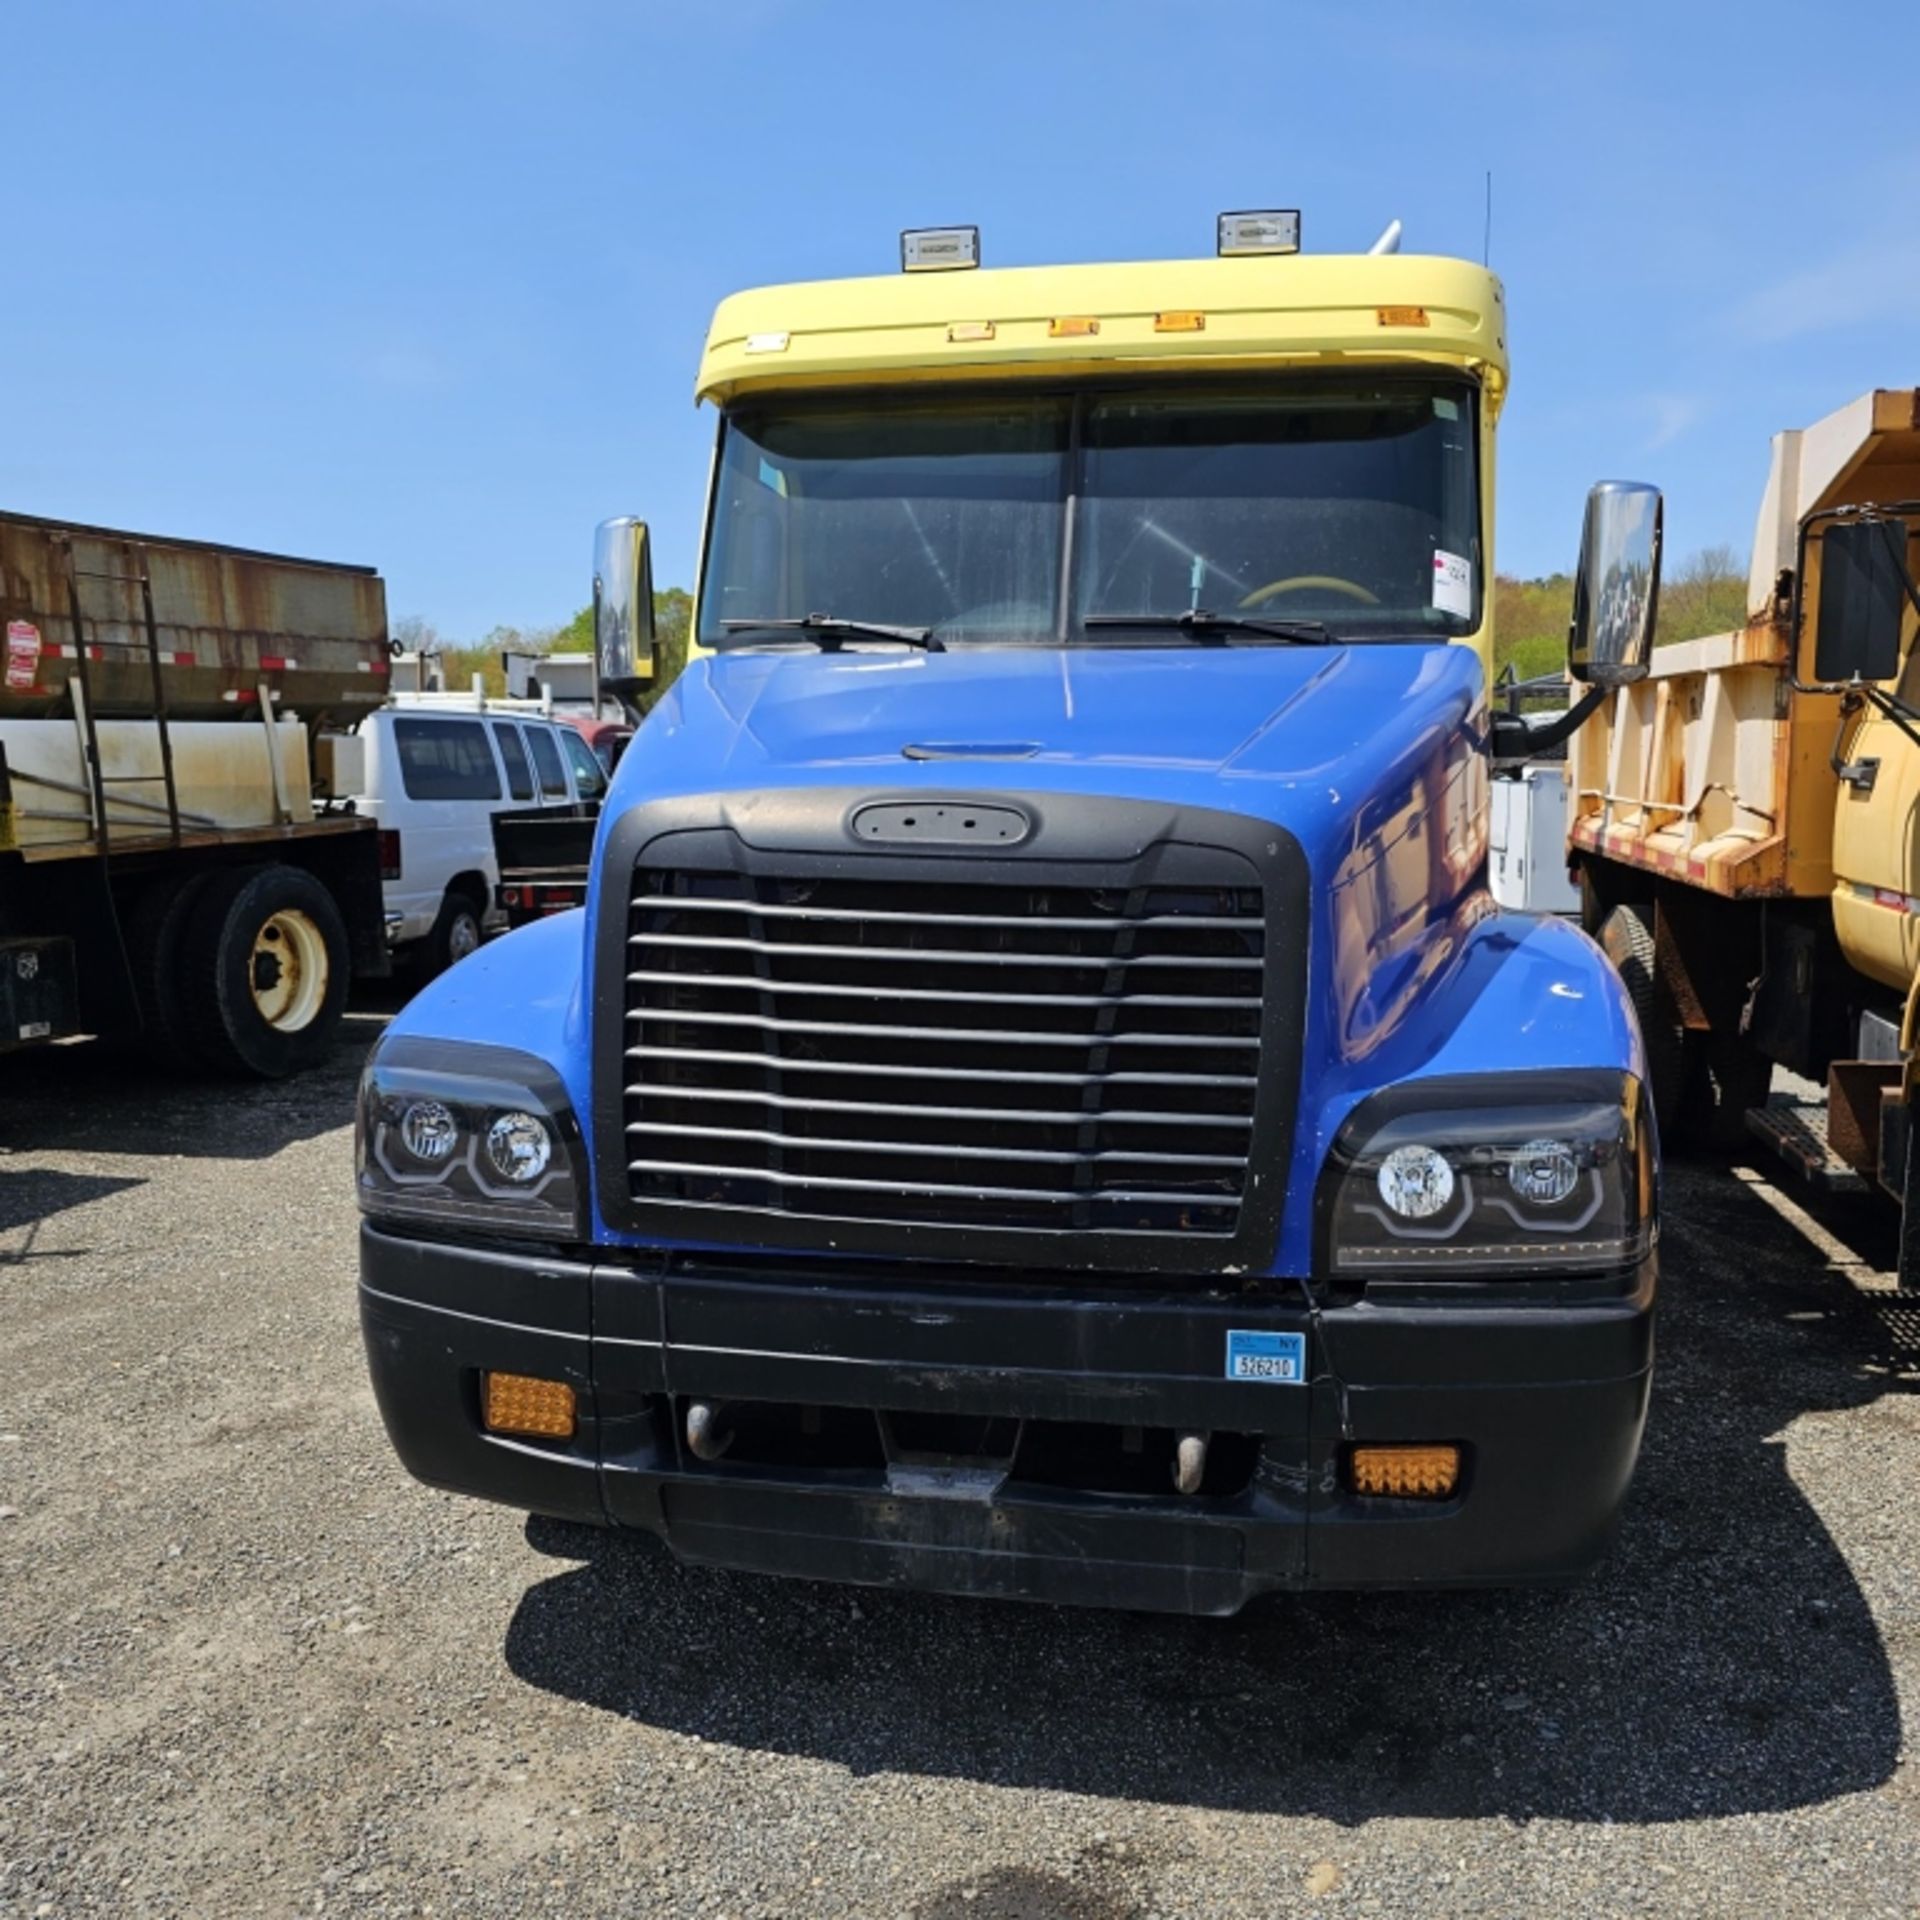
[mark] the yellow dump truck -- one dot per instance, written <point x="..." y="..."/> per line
<point x="1745" y="820"/>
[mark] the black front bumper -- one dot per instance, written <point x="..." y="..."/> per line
<point x="1546" y="1401"/>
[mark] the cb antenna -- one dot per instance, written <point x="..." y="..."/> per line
<point x="1486" y="243"/>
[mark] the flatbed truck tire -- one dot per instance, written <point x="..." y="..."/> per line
<point x="264" y="971"/>
<point x="1626" y="936"/>
<point x="155" y="930"/>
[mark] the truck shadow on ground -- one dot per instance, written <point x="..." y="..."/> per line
<point x="101" y="1098"/>
<point x="1724" y="1661"/>
<point x="27" y="1198"/>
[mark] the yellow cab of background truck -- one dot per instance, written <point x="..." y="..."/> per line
<point x="1746" y="821"/>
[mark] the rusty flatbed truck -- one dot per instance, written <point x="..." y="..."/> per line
<point x="173" y="866"/>
<point x="1039" y="1101"/>
<point x="1743" y="823"/>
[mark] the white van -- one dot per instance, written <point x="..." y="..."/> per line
<point x="437" y="773"/>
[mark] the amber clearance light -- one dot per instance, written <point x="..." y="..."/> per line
<point x="517" y="1403"/>
<point x="1405" y="1473"/>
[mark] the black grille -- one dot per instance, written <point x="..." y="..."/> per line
<point x="945" y="1052"/>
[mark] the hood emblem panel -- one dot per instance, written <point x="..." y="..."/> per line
<point x="940" y="823"/>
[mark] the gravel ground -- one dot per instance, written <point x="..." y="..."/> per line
<point x="247" y="1667"/>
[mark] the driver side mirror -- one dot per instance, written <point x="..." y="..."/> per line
<point x="1616" y="593"/>
<point x="623" y="637"/>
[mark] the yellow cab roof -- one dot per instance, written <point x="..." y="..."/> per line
<point x="1261" y="312"/>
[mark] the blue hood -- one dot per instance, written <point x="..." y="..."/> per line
<point x="1367" y="755"/>
<point x="1260" y="721"/>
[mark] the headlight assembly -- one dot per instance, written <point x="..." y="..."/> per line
<point x="1510" y="1173"/>
<point x="468" y="1137"/>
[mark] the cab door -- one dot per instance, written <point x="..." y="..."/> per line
<point x="1876" y="829"/>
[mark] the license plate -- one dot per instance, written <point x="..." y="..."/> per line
<point x="1277" y="1359"/>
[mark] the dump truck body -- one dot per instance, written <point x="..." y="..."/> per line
<point x="1743" y="816"/>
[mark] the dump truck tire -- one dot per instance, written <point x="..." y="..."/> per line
<point x="264" y="972"/>
<point x="1626" y="936"/>
<point x="155" y="931"/>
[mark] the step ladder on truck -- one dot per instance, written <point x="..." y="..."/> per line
<point x="1741" y="821"/>
<point x="175" y="866"/>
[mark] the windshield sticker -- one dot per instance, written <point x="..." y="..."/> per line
<point x="1452" y="584"/>
<point x="771" y="476"/>
<point x="1445" y="409"/>
<point x="1278" y="1359"/>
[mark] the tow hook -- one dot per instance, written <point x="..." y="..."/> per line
<point x="708" y="1435"/>
<point x="1190" y="1461"/>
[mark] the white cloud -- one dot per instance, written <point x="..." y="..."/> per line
<point x="1873" y="280"/>
<point x="408" y="367"/>
<point x="1668" y="416"/>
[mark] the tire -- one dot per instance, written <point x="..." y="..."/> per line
<point x="1626" y="936"/>
<point x="264" y="972"/>
<point x="456" y="934"/>
<point x="155" y="930"/>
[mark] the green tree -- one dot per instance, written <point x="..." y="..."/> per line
<point x="577" y="635"/>
<point x="672" y="628"/>
<point x="1705" y="594"/>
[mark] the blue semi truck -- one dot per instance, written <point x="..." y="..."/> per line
<point x="1039" y="1101"/>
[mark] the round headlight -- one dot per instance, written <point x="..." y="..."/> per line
<point x="1544" y="1172"/>
<point x="1415" y="1182"/>
<point x="519" y="1147"/>
<point x="428" y="1130"/>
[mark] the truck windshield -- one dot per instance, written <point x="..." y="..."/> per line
<point x="1016" y="519"/>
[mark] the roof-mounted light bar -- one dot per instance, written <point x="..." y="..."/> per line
<point x="939" y="249"/>
<point x="1268" y="232"/>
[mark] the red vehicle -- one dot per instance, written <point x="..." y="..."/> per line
<point x="607" y="738"/>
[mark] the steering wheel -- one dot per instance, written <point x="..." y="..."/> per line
<point x="1304" y="582"/>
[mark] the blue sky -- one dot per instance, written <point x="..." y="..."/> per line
<point x="424" y="282"/>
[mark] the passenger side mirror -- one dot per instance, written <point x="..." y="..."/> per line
<point x="1616" y="593"/>
<point x="623" y="637"/>
<point x="1863" y="594"/>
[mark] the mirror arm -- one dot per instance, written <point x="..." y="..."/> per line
<point x="1518" y="737"/>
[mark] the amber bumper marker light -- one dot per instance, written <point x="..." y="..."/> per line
<point x="1405" y="1473"/>
<point x="516" y="1403"/>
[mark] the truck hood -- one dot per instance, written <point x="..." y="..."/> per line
<point x="1321" y="724"/>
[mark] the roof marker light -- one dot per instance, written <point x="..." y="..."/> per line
<point x="766" y="343"/>
<point x="1402" y="316"/>
<point x="939" y="249"/>
<point x="970" y="330"/>
<point x="1275" y="231"/>
<point x="1179" y="321"/>
<point x="1072" y="326"/>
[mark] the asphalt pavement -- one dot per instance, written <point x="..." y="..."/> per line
<point x="248" y="1667"/>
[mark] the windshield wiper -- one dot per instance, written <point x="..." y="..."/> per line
<point x="1219" y="627"/>
<point x="831" y="631"/>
